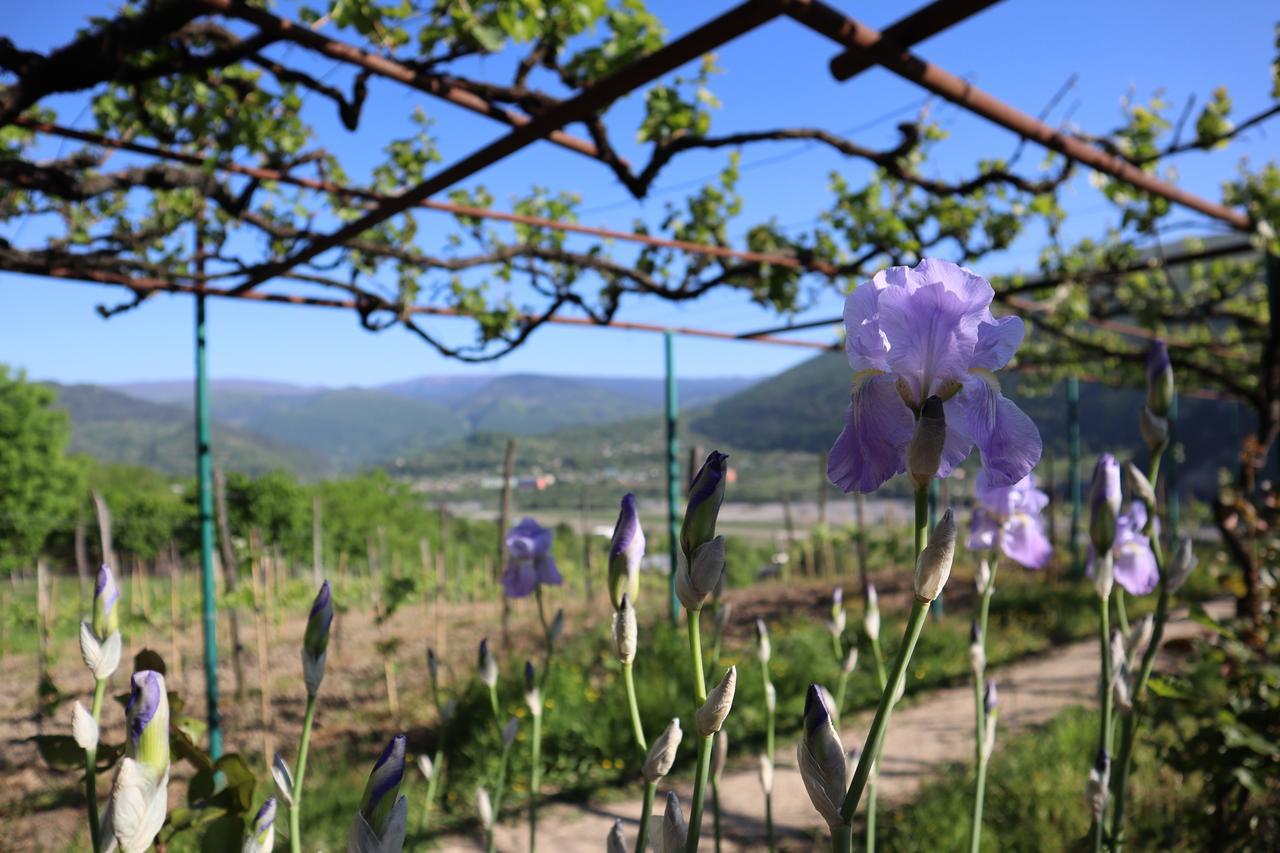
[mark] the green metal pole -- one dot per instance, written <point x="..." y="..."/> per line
<point x="1171" y="473"/>
<point x="1073" y="448"/>
<point x="673" y="470"/>
<point x="204" y="476"/>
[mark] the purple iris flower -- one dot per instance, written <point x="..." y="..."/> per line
<point x="144" y="701"/>
<point x="529" y="560"/>
<point x="917" y="331"/>
<point x="1134" y="561"/>
<point x="1010" y="516"/>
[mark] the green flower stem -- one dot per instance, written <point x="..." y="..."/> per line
<point x="637" y="727"/>
<point x="841" y="838"/>
<point x="497" y="797"/>
<point x="1104" y="720"/>
<point x="980" y="711"/>
<point x="922" y="519"/>
<point x="535" y="780"/>
<point x="872" y="780"/>
<point x="546" y="634"/>
<point x="875" y="737"/>
<point x="770" y="717"/>
<point x="704" y="743"/>
<point x="1122" y="612"/>
<point x="493" y="703"/>
<point x="650" y="788"/>
<point x="91" y="770"/>
<point x="433" y="785"/>
<point x="715" y="809"/>
<point x="295" y="811"/>
<point x="1128" y="730"/>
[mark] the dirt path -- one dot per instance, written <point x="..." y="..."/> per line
<point x="925" y="737"/>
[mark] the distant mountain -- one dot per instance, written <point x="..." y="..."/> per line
<point x="651" y="392"/>
<point x="116" y="428"/>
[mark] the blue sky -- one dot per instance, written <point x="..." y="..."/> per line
<point x="1021" y="52"/>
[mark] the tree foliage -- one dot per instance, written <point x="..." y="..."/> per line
<point x="38" y="483"/>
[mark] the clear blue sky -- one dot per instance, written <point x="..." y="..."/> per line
<point x="1019" y="51"/>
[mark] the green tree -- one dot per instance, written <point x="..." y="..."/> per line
<point x="38" y="483"/>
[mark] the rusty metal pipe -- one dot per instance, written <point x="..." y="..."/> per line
<point x="845" y="31"/>
<point x="909" y="31"/>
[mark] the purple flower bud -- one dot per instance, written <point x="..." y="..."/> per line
<point x="264" y="826"/>
<point x="1159" y="379"/>
<point x="487" y="665"/>
<point x="106" y="619"/>
<point x="990" y="696"/>
<point x="147" y="715"/>
<point x="316" y="638"/>
<point x="625" y="553"/>
<point x="705" y="496"/>
<point x="383" y="785"/>
<point x="1104" y="502"/>
<point x="823" y="767"/>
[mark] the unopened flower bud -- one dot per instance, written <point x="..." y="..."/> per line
<point x="871" y="619"/>
<point x="557" y="627"/>
<point x="433" y="667"/>
<point x="625" y="631"/>
<point x="982" y="578"/>
<point x="1140" y="487"/>
<point x="838" y="618"/>
<point x="484" y="808"/>
<point x="821" y="757"/>
<point x="84" y="728"/>
<point x="1104" y="503"/>
<point x="101" y="657"/>
<point x="770" y="697"/>
<point x="283" y="779"/>
<point x="1139" y="638"/>
<point x="705" y="496"/>
<point x="712" y="714"/>
<point x="924" y="453"/>
<point x="1104" y="574"/>
<point x="426" y="767"/>
<point x="989" y="734"/>
<point x="662" y="753"/>
<point x="106" y="618"/>
<point x="626" y="551"/>
<point x="617" y="840"/>
<point x="382" y="809"/>
<point x="1154" y="430"/>
<point x="850" y="660"/>
<point x="766" y="775"/>
<point x="315" y="640"/>
<point x="1184" y="563"/>
<point x="673" y="829"/>
<point x="990" y="696"/>
<point x="532" y="695"/>
<point x="509" y="732"/>
<point x="1159" y="379"/>
<point x="719" y="755"/>
<point x="764" y="650"/>
<point x="147" y="712"/>
<point x="262" y="837"/>
<point x="1095" y="788"/>
<point x="977" y="654"/>
<point x="698" y="575"/>
<point x="934" y="565"/>
<point x="487" y="666"/>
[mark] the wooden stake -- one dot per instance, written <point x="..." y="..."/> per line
<point x="104" y="531"/>
<point x="82" y="562"/>
<point x="175" y="655"/>
<point x="317" y="543"/>
<point x="231" y="571"/>
<point x="42" y="618"/>
<point x="261" y="593"/>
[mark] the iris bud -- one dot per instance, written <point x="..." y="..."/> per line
<point x="382" y="809"/>
<point x="1095" y="788"/>
<point x="1184" y="563"/>
<point x="625" y="631"/>
<point x="764" y="650"/>
<point x="871" y="619"/>
<point x="487" y="666"/>
<point x="315" y="640"/>
<point x="934" y="565"/>
<point x="766" y="775"/>
<point x="106" y="618"/>
<point x="1140" y="487"/>
<point x="625" y="553"/>
<point x="617" y="839"/>
<point x="705" y="496"/>
<point x="1104" y="503"/>
<point x="821" y="757"/>
<point x="262" y="838"/>
<point x="1159" y="379"/>
<point x="712" y="714"/>
<point x="1154" y="430"/>
<point x="283" y="779"/>
<point x="662" y="753"/>
<point x="924" y="453"/>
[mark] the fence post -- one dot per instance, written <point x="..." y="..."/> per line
<point x="673" y="470"/>
<point x="204" y="475"/>
<point x="1073" y="448"/>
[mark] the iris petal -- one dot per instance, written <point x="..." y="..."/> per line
<point x="1006" y="437"/>
<point x="876" y="432"/>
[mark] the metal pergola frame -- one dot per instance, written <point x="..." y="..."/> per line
<point x="861" y="47"/>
